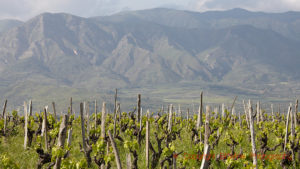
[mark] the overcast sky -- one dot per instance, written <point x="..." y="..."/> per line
<point x="25" y="9"/>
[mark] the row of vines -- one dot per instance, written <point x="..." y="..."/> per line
<point x="252" y="138"/>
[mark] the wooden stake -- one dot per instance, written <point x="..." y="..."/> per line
<point x="240" y="119"/>
<point x="141" y="119"/>
<point x="205" y="160"/>
<point x="69" y="140"/>
<point x="4" y="116"/>
<point x="246" y="114"/>
<point x="45" y="129"/>
<point x="199" y="119"/>
<point x="87" y="119"/>
<point x="139" y="107"/>
<point x="233" y="103"/>
<point x="128" y="161"/>
<point x="223" y="110"/>
<point x="287" y="127"/>
<point x="233" y="115"/>
<point x="296" y="114"/>
<point x="252" y="132"/>
<point x="71" y="104"/>
<point x="86" y="148"/>
<point x="54" y="110"/>
<point x="82" y="126"/>
<point x="113" y="144"/>
<point x="292" y="122"/>
<point x="30" y="108"/>
<point x="207" y="131"/>
<point x="115" y="112"/>
<point x="258" y="112"/>
<point x="272" y="110"/>
<point x="26" y="125"/>
<point x="103" y="118"/>
<point x="119" y="110"/>
<point x="4" y="108"/>
<point x="147" y="139"/>
<point x="261" y="114"/>
<point x="95" y="114"/>
<point x="216" y="112"/>
<point x="206" y="157"/>
<point x="170" y="118"/>
<point x="61" y="139"/>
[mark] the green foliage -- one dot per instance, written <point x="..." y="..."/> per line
<point x="7" y="162"/>
<point x="228" y="132"/>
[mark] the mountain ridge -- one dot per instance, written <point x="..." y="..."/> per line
<point x="134" y="49"/>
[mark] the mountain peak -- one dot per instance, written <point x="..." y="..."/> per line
<point x="148" y="47"/>
<point x="238" y="10"/>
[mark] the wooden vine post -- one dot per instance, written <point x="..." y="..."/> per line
<point x="206" y="154"/>
<point x="141" y="120"/>
<point x="262" y="118"/>
<point x="87" y="112"/>
<point x="95" y="114"/>
<point x="128" y="161"/>
<point x="115" y="113"/>
<point x="216" y="112"/>
<point x="71" y="104"/>
<point x="86" y="148"/>
<point x="119" y="110"/>
<point x="4" y="108"/>
<point x="139" y="108"/>
<point x="179" y="111"/>
<point x="4" y="117"/>
<point x="258" y="112"/>
<point x="103" y="117"/>
<point x="199" y="118"/>
<point x="147" y="139"/>
<point x="240" y="119"/>
<point x="287" y="127"/>
<point x="45" y="129"/>
<point x="252" y="132"/>
<point x="115" y="149"/>
<point x="295" y="114"/>
<point x="246" y="114"/>
<point x="223" y="110"/>
<point x="207" y="131"/>
<point x="233" y="115"/>
<point x="206" y="157"/>
<point x="30" y="108"/>
<point x="54" y="110"/>
<point x="272" y="111"/>
<point x="61" y="139"/>
<point x="292" y="122"/>
<point x="170" y="118"/>
<point x="26" y="125"/>
<point x="69" y="140"/>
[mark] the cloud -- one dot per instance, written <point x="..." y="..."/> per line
<point x="254" y="5"/>
<point x="25" y="9"/>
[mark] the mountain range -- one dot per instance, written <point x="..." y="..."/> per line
<point x="236" y="52"/>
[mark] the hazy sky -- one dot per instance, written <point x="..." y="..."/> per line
<point x="25" y="9"/>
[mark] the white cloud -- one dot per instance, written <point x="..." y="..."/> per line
<point x="25" y="9"/>
<point x="255" y="5"/>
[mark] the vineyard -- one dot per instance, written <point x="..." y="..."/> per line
<point x="169" y="138"/>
